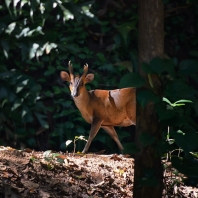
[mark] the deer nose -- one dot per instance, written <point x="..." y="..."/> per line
<point x="74" y="93"/>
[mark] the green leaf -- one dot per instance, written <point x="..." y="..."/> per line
<point x="64" y="113"/>
<point x="177" y="103"/>
<point x="11" y="96"/>
<point x="179" y="131"/>
<point x="70" y="125"/>
<point x="145" y="96"/>
<point x="167" y="101"/>
<point x="10" y="28"/>
<point x="73" y="48"/>
<point x="187" y="141"/>
<point x="28" y="117"/>
<point x="24" y="32"/>
<point x="125" y="28"/>
<point x="5" y="75"/>
<point x="61" y="68"/>
<point x="19" y="88"/>
<point x="51" y="70"/>
<point x="188" y="67"/>
<point x="57" y="90"/>
<point x="42" y="80"/>
<point x="195" y="154"/>
<point x="48" y="93"/>
<point x="15" y="2"/>
<point x="178" y="89"/>
<point x="5" y="47"/>
<point x="188" y="167"/>
<point x="159" y="65"/>
<point x="2" y="26"/>
<point x="17" y="103"/>
<point x="131" y="80"/>
<point x="82" y="56"/>
<point x="181" y="104"/>
<point x="21" y="85"/>
<point x="81" y="137"/>
<point x="49" y="47"/>
<point x="8" y="3"/>
<point x="101" y="57"/>
<point x="47" y="153"/>
<point x="109" y="67"/>
<point x="24" y="50"/>
<point x="3" y="92"/>
<point x="40" y="117"/>
<point x="60" y="160"/>
<point x="68" y="142"/>
<point x="126" y="64"/>
<point x="25" y="111"/>
<point x="33" y="50"/>
<point x="81" y="130"/>
<point x="146" y="67"/>
<point x="164" y="113"/>
<point x="67" y="14"/>
<point x="194" y="53"/>
<point x="35" y="89"/>
<point x="183" y="101"/>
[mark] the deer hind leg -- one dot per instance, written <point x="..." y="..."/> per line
<point x="95" y="126"/>
<point x="111" y="131"/>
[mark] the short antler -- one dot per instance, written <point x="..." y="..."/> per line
<point x="85" y="70"/>
<point x="70" y="70"/>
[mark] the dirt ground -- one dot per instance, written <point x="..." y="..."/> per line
<point x="27" y="173"/>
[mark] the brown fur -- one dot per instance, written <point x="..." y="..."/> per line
<point x="102" y="108"/>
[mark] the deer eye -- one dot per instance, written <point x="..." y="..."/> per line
<point x="81" y="84"/>
<point x="70" y="83"/>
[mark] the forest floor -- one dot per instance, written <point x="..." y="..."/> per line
<point x="27" y="173"/>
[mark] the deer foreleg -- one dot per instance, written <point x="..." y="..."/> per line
<point x="95" y="126"/>
<point x="111" y="131"/>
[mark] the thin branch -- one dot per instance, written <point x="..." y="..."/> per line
<point x="176" y="9"/>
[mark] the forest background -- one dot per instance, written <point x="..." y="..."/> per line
<point x="37" y="40"/>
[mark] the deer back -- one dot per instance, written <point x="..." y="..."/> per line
<point x="116" y="107"/>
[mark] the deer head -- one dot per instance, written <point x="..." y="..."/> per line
<point x="76" y="83"/>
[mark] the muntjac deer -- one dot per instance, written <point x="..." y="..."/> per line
<point x="101" y="108"/>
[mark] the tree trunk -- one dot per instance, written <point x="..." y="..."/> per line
<point x="148" y="168"/>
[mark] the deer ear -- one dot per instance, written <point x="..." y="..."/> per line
<point x="88" y="78"/>
<point x="65" y="76"/>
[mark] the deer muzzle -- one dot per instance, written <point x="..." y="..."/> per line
<point x="74" y="92"/>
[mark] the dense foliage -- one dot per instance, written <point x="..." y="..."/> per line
<point x="38" y="38"/>
<point x="177" y="112"/>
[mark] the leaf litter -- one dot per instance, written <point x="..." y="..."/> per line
<point x="27" y="173"/>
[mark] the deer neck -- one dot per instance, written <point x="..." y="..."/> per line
<point x="82" y="100"/>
